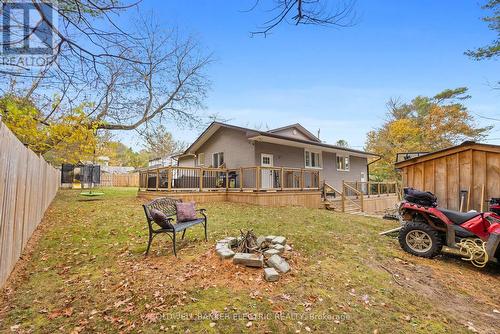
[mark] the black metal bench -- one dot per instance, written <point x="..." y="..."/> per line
<point x="167" y="206"/>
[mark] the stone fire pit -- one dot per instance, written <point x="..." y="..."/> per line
<point x="260" y="252"/>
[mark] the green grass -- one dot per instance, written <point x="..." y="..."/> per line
<point x="87" y="273"/>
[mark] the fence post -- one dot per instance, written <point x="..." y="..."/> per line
<point x="378" y="187"/>
<point x="227" y="179"/>
<point x="169" y="178"/>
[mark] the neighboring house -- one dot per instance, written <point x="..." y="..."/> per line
<point x="170" y="160"/>
<point x="290" y="146"/>
<point x="103" y="161"/>
<point x="117" y="169"/>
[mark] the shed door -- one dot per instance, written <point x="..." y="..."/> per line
<point x="266" y="160"/>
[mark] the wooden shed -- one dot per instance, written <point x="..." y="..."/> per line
<point x="463" y="177"/>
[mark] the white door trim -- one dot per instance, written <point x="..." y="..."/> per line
<point x="266" y="175"/>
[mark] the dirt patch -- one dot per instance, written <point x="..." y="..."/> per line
<point x="467" y="294"/>
<point x="208" y="270"/>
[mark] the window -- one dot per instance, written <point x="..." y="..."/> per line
<point x="201" y="159"/>
<point x="342" y="163"/>
<point x="217" y="159"/>
<point x="313" y="159"/>
<point x="266" y="160"/>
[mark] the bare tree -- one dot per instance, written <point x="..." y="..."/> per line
<point x="125" y="79"/>
<point x="168" y="81"/>
<point x="161" y="143"/>
<point x="300" y="12"/>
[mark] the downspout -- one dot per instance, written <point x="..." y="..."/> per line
<point x="368" y="169"/>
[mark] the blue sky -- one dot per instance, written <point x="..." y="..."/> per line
<point x="336" y="80"/>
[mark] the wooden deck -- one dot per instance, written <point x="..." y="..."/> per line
<point x="256" y="178"/>
<point x="266" y="186"/>
<point x="307" y="199"/>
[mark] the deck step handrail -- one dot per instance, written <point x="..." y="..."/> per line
<point x="358" y="193"/>
<point x="372" y="188"/>
<point x="327" y="185"/>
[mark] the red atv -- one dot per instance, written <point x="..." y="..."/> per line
<point x="427" y="228"/>
<point x="495" y="205"/>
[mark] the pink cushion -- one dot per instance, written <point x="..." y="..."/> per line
<point x="185" y="211"/>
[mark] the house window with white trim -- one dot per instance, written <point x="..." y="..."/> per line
<point x="217" y="159"/>
<point x="201" y="159"/>
<point x="312" y="159"/>
<point x="343" y="163"/>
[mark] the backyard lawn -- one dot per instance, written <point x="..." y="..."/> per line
<point x="85" y="272"/>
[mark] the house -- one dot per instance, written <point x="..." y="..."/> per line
<point x="103" y="162"/>
<point x="169" y="160"/>
<point x="292" y="146"/>
<point x="463" y="177"/>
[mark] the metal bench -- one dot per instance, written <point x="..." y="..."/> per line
<point x="167" y="206"/>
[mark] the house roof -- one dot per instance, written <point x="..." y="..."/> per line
<point x="466" y="145"/>
<point x="299" y="127"/>
<point x="117" y="169"/>
<point x="258" y="135"/>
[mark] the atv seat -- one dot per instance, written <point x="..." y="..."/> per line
<point x="458" y="217"/>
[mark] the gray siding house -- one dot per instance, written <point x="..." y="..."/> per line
<point x="292" y="146"/>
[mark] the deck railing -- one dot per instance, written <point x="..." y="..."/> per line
<point x="374" y="188"/>
<point x="353" y="195"/>
<point x="255" y="178"/>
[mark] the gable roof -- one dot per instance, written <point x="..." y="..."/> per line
<point x="258" y="135"/>
<point x="298" y="127"/>
<point x="466" y="145"/>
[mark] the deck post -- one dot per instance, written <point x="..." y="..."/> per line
<point x="361" y="202"/>
<point x="343" y="196"/>
<point x="227" y="179"/>
<point x="241" y="179"/>
<point x="282" y="180"/>
<point x="169" y="177"/>
<point x="378" y="186"/>
<point x="201" y="179"/>
<point x="369" y="188"/>
<point x="301" y="179"/>
<point x="157" y="178"/>
<point x="257" y="178"/>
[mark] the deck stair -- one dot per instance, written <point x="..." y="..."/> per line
<point x="353" y="194"/>
<point x="349" y="200"/>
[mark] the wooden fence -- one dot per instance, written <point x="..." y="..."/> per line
<point x="27" y="186"/>
<point x="119" y="180"/>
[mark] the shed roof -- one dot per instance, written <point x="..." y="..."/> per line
<point x="466" y="145"/>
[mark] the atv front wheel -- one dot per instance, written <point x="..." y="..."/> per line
<point x="420" y="239"/>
